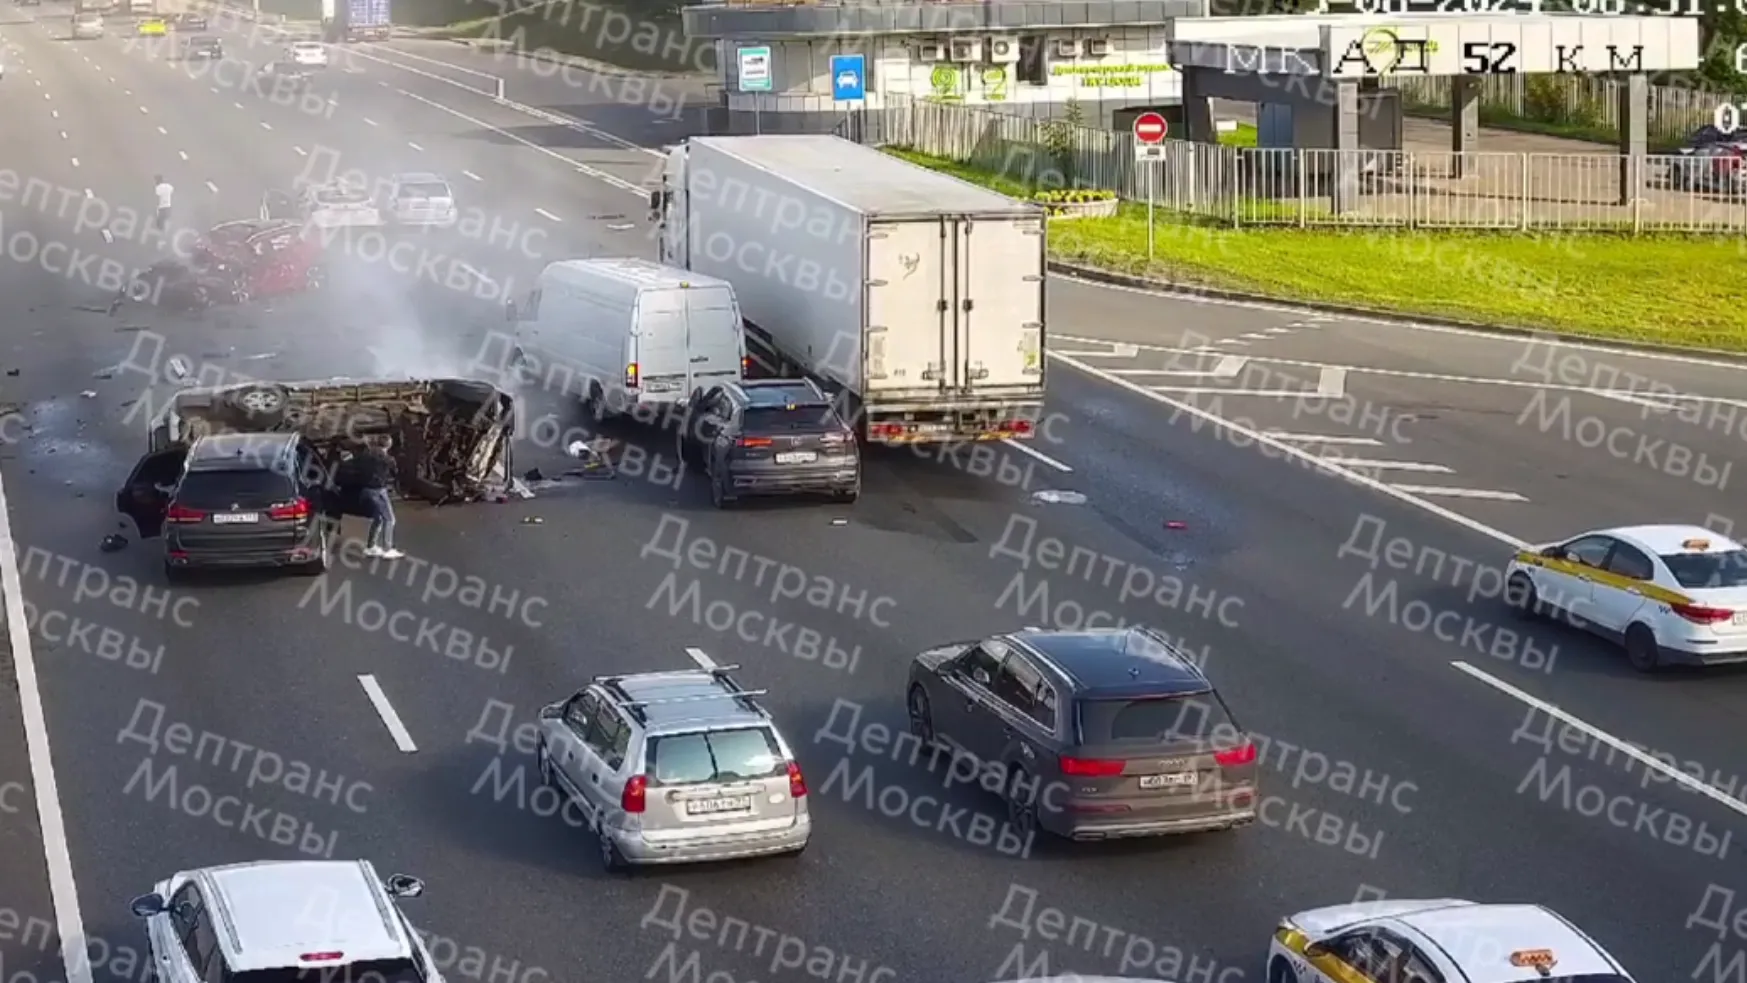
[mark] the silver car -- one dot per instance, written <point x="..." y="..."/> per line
<point x="421" y="199"/>
<point x="87" y="27"/>
<point x="675" y="767"/>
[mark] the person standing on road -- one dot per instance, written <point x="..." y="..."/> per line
<point x="375" y="471"/>
<point x="165" y="193"/>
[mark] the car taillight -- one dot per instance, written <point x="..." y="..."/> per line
<point x="631" y="376"/>
<point x="296" y="510"/>
<point x="636" y="795"/>
<point x="885" y="430"/>
<point x="753" y="442"/>
<point x="797" y="781"/>
<point x="1017" y="426"/>
<point x="182" y="513"/>
<point x="1234" y="756"/>
<point x="745" y="365"/>
<point x="1091" y="768"/>
<point x="321" y="957"/>
<point x="1699" y="614"/>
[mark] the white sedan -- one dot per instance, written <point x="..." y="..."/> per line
<point x="1669" y="594"/>
<point x="307" y="54"/>
<point x="1436" y="941"/>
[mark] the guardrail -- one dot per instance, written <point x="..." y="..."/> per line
<point x="1408" y="189"/>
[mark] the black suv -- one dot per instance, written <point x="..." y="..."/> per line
<point x="233" y="500"/>
<point x="770" y="437"/>
<point x="202" y="46"/>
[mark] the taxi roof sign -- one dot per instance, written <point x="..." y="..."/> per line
<point x="1541" y="959"/>
<point x="1696" y="544"/>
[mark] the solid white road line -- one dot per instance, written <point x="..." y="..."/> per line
<point x="1366" y="465"/>
<point x="1483" y="493"/>
<point x="1317" y="438"/>
<point x="1211" y="390"/>
<point x="1637" y="401"/>
<point x="1332" y="382"/>
<point x="63" y="890"/>
<point x="702" y="658"/>
<point x="1021" y="447"/>
<point x="385" y="710"/>
<point x="1298" y="452"/>
<point x="1647" y="759"/>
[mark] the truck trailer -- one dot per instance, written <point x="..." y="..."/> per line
<point x="345" y="21"/>
<point x="915" y="298"/>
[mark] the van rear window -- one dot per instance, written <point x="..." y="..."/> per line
<point x="715" y="756"/>
<point x="1165" y="719"/>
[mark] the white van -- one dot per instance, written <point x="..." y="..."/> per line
<point x="624" y="334"/>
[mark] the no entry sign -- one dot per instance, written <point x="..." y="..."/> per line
<point x="1150" y="128"/>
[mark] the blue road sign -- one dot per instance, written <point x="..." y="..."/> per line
<point x="849" y="78"/>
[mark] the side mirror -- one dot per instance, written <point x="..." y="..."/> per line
<point x="404" y="886"/>
<point x="147" y="905"/>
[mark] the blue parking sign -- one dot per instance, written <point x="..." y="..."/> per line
<point x="849" y="78"/>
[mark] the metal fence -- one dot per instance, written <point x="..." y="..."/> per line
<point x="1241" y="186"/>
<point x="1572" y="100"/>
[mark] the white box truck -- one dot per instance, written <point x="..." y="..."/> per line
<point x="915" y="297"/>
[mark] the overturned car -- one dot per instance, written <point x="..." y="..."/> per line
<point x="242" y="475"/>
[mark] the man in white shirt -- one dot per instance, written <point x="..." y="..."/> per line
<point x="164" y="193"/>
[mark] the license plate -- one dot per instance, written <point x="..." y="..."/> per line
<point x="230" y="518"/>
<point x="1741" y="617"/>
<point x="797" y="457"/>
<point x="1178" y="780"/>
<point x="710" y="807"/>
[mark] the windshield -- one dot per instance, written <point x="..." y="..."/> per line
<point x="372" y="971"/>
<point x="1698" y="570"/>
<point x="715" y="756"/>
<point x="423" y="189"/>
<point x="1152" y="720"/>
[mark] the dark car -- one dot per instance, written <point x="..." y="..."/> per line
<point x="1093" y="735"/>
<point x="202" y="46"/>
<point x="234" y="500"/>
<point x="770" y="437"/>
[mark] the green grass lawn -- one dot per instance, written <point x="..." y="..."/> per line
<point x="1678" y="290"/>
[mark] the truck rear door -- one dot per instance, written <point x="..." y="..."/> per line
<point x="999" y="285"/>
<point x="910" y="309"/>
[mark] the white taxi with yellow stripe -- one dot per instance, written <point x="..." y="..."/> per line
<point x="1669" y="594"/>
<point x="1436" y="941"/>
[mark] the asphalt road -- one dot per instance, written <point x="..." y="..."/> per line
<point x="1298" y="656"/>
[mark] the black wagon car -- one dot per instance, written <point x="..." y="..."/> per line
<point x="202" y="47"/>
<point x="1092" y="735"/>
<point x="770" y="437"/>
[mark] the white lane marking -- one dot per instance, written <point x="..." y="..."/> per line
<point x="477" y="273"/>
<point x="1039" y="455"/>
<point x="1285" y="330"/>
<point x="45" y="95"/>
<point x="1647" y="759"/>
<point x="1637" y="401"/>
<point x="546" y="214"/>
<point x="702" y="658"/>
<point x="1299" y="453"/>
<point x="212" y="186"/>
<point x="414" y="145"/>
<point x="301" y="152"/>
<point x="1436" y="492"/>
<point x="1332" y="382"/>
<point x="1229" y="367"/>
<point x="127" y="92"/>
<point x="55" y="114"/>
<point x="63" y="134"/>
<point x="472" y="175"/>
<point x="163" y="131"/>
<point x="1317" y="438"/>
<point x="75" y="161"/>
<point x="182" y="154"/>
<point x="63" y="890"/>
<point x="237" y="104"/>
<point x="1365" y="464"/>
<point x="1206" y="390"/>
<point x="370" y="121"/>
<point x="598" y="175"/>
<point x="1233" y="342"/>
<point x="213" y="88"/>
<point x="1253" y="336"/>
<point x="265" y="126"/>
<point x="385" y="710"/>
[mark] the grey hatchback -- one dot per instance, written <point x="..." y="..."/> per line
<point x="1100" y="734"/>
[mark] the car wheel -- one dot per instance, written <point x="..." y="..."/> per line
<point x="174" y="575"/>
<point x="921" y="716"/>
<point x="1641" y="649"/>
<point x="1021" y="804"/>
<point x="261" y="403"/>
<point x="1521" y="596"/>
<point x="543" y="762"/>
<point x="319" y="565"/>
<point x="139" y="291"/>
<point x="611" y="859"/>
<point x="1281" y="971"/>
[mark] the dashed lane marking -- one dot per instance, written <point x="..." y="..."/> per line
<point x="182" y="154"/>
<point x="546" y="214"/>
<point x="1318" y="438"/>
<point x="1033" y="452"/>
<point x="75" y="161"/>
<point x="414" y="145"/>
<point x="301" y="152"/>
<point x="265" y="125"/>
<point x="472" y="175"/>
<point x="1435" y="492"/>
<point x="212" y="187"/>
<point x="369" y="121"/>
<point x="1332" y="382"/>
<point x="385" y="710"/>
<point x="163" y="131"/>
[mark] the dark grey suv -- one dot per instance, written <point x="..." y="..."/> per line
<point x="1099" y="734"/>
<point x="233" y="500"/>
<point x="770" y="437"/>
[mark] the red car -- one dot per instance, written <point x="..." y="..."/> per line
<point x="235" y="262"/>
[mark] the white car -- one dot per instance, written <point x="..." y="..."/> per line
<point x="1669" y="594"/>
<point x="1437" y="941"/>
<point x="307" y="54"/>
<point x="421" y="199"/>
<point x="316" y="919"/>
<point x="87" y="26"/>
<point x="324" y="206"/>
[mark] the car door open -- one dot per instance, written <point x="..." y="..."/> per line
<point x="145" y="496"/>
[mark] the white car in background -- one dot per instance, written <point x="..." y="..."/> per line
<point x="324" y="206"/>
<point x="421" y="199"/>
<point x="87" y="26"/>
<point x="307" y="54"/>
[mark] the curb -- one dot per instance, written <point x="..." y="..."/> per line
<point x="1094" y="274"/>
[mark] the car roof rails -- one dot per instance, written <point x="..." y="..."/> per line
<point x="716" y="671"/>
<point x="615" y="690"/>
